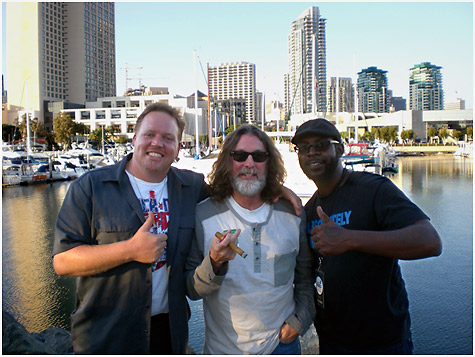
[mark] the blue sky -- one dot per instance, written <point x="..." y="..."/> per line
<point x="394" y="36"/>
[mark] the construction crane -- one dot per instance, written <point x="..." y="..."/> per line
<point x="127" y="74"/>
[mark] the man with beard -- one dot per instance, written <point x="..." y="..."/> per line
<point x="260" y="304"/>
<point x="359" y="224"/>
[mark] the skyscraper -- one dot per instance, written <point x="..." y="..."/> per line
<point x="343" y="94"/>
<point x="306" y="79"/>
<point x="59" y="51"/>
<point x="232" y="85"/>
<point x="425" y="87"/>
<point x="372" y="90"/>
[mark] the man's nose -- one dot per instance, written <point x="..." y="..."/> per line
<point x="156" y="141"/>
<point x="249" y="161"/>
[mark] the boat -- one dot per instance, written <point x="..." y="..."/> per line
<point x="464" y="149"/>
<point x="24" y="174"/>
<point x="377" y="158"/>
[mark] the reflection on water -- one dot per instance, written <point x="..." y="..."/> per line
<point x="440" y="289"/>
<point x="31" y="290"/>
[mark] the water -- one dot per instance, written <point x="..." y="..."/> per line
<point x="440" y="289"/>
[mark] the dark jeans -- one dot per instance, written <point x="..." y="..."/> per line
<point x="403" y="348"/>
<point x="292" y="348"/>
<point x="160" y="337"/>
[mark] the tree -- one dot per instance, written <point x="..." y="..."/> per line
<point x="384" y="134"/>
<point x="367" y="136"/>
<point x="431" y="132"/>
<point x="41" y="131"/>
<point x="457" y="134"/>
<point x="470" y="131"/>
<point x="408" y="135"/>
<point x="229" y="130"/>
<point x="443" y="134"/>
<point x="8" y="132"/>
<point x="81" y="128"/>
<point x="392" y="134"/>
<point x="122" y="140"/>
<point x="64" y="129"/>
<point x="95" y="136"/>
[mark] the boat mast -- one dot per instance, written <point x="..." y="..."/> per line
<point x="356" y="98"/>
<point x="210" y="126"/>
<point x="28" y="134"/>
<point x="263" y="109"/>
<point x="197" y="139"/>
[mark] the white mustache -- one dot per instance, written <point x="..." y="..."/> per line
<point x="247" y="172"/>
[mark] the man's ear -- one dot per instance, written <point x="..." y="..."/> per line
<point x="340" y="149"/>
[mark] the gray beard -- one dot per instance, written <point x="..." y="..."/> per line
<point x="249" y="188"/>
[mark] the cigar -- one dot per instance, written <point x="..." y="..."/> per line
<point x="233" y="246"/>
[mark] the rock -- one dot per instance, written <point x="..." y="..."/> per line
<point x="309" y="342"/>
<point x="57" y="341"/>
<point x="17" y="340"/>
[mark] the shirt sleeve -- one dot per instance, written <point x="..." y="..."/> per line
<point x="200" y="277"/>
<point x="304" y="312"/>
<point x="73" y="225"/>
<point x="394" y="210"/>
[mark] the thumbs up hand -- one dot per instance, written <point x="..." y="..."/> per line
<point x="147" y="247"/>
<point x="329" y="238"/>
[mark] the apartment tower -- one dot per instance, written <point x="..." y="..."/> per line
<point x="372" y="88"/>
<point x="59" y="52"/>
<point x="306" y="80"/>
<point x="232" y="87"/>
<point x="340" y="92"/>
<point x="425" y="87"/>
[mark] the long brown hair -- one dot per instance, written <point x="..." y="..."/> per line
<point x="221" y="172"/>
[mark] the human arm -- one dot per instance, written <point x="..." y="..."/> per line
<point x="87" y="260"/>
<point x="287" y="334"/>
<point x="303" y="315"/>
<point x="290" y="195"/>
<point x="220" y="252"/>
<point x="416" y="241"/>
<point x="205" y="274"/>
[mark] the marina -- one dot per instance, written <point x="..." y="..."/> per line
<point x="20" y="167"/>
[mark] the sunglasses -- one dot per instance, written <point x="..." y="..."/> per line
<point x="257" y="156"/>
<point x="321" y="145"/>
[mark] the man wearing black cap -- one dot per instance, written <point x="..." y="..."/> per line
<point x="359" y="225"/>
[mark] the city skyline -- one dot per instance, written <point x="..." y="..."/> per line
<point x="390" y="36"/>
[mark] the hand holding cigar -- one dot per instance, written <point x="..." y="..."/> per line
<point x="232" y="245"/>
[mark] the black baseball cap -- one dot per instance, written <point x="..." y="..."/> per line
<point x="321" y="127"/>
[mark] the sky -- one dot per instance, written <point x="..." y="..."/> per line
<point x="163" y="37"/>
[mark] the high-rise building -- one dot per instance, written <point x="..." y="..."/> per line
<point x="59" y="52"/>
<point x="343" y="94"/>
<point x="456" y="104"/>
<point x="396" y="103"/>
<point x="232" y="84"/>
<point x="372" y="90"/>
<point x="425" y="87"/>
<point x="307" y="76"/>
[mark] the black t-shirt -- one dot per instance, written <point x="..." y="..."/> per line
<point x="366" y="304"/>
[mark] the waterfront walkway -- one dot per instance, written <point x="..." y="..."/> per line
<point x="425" y="149"/>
